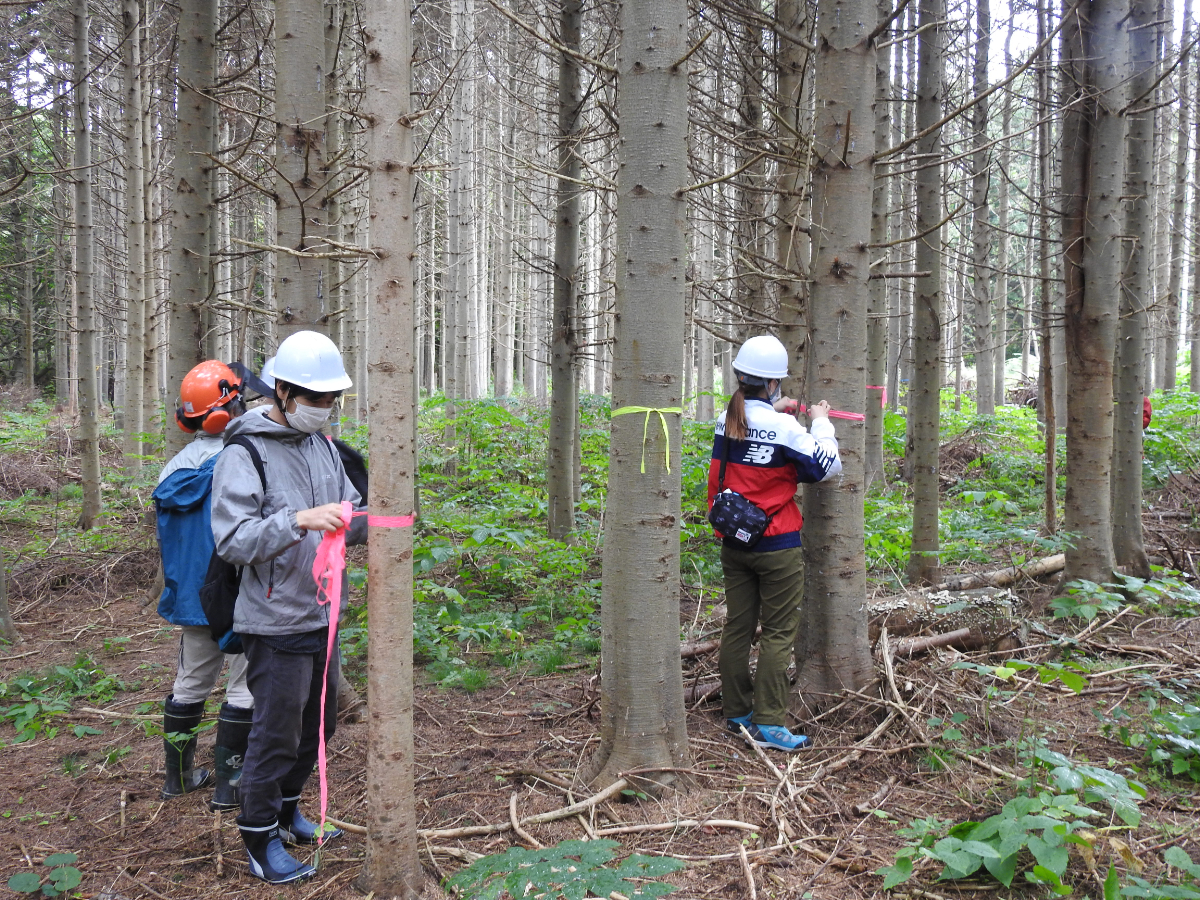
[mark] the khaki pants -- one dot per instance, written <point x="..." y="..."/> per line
<point x="760" y="588"/>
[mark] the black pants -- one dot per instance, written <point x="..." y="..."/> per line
<point x="285" y="737"/>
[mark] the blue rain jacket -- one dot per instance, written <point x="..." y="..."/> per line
<point x="182" y="503"/>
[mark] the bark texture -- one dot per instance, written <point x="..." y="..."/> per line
<point x="89" y="375"/>
<point x="877" y="313"/>
<point x="191" y="200"/>
<point x="642" y="717"/>
<point x="832" y="649"/>
<point x="564" y="390"/>
<point x="392" y="866"/>
<point x="301" y="173"/>
<point x="1128" y="545"/>
<point x="981" y="226"/>
<point x="791" y="237"/>
<point x="924" y="396"/>
<point x="135" y="236"/>
<point x="1095" y="55"/>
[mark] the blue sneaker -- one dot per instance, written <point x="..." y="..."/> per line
<point x="735" y="724"/>
<point x="776" y="737"/>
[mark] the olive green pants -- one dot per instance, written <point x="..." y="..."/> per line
<point x="760" y="588"/>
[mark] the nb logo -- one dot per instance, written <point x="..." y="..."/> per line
<point x="759" y="454"/>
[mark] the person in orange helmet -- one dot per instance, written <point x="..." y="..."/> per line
<point x="211" y="396"/>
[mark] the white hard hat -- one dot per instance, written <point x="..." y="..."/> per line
<point x="267" y="375"/>
<point x="309" y="359"/>
<point x="763" y="356"/>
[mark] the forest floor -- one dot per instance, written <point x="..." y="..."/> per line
<point x="948" y="737"/>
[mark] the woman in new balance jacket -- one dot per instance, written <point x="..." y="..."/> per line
<point x="767" y="453"/>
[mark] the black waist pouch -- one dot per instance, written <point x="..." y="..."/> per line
<point x="738" y="519"/>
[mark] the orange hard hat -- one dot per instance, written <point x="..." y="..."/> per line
<point x="204" y="393"/>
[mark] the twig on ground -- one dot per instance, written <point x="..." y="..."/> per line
<point x="540" y="819"/>
<point x="680" y="823"/>
<point x="750" y="888"/>
<point x="516" y="824"/>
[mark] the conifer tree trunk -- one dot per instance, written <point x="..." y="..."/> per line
<point x="1194" y="373"/>
<point x="89" y="364"/>
<point x="392" y="866"/>
<point x="1126" y="487"/>
<point x="642" y="720"/>
<point x="1093" y="180"/>
<point x="564" y="396"/>
<point x="135" y="230"/>
<point x="1050" y="395"/>
<point x="792" y="245"/>
<point x="8" y="628"/>
<point x="981" y="227"/>
<point x="832" y="649"/>
<point x="1178" y="209"/>
<point x="1000" y="287"/>
<point x="877" y="315"/>
<point x="301" y="173"/>
<point x="924" y="396"/>
<point x="191" y="200"/>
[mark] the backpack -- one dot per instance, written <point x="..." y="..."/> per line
<point x="355" y="466"/>
<point x="223" y="580"/>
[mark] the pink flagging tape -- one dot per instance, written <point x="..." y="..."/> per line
<point x="390" y="521"/>
<point x="838" y="414"/>
<point x="327" y="572"/>
<point x="387" y="521"/>
<point x="882" y="388"/>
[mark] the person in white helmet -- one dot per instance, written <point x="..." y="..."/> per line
<point x="762" y="453"/>
<point x="271" y="525"/>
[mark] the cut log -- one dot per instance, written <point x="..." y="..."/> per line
<point x="961" y="639"/>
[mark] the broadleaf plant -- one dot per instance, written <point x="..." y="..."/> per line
<point x="571" y="870"/>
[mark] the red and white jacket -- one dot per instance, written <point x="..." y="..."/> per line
<point x="778" y="453"/>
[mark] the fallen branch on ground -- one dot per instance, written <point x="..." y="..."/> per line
<point x="1004" y="577"/>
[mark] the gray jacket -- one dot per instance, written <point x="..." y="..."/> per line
<point x="278" y="594"/>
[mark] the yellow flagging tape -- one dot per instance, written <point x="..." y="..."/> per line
<point x="674" y="410"/>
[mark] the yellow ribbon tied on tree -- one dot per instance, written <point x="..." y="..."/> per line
<point x="674" y="410"/>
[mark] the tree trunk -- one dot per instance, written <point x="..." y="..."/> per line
<point x="1178" y="208"/>
<point x="924" y="396"/>
<point x="642" y="716"/>
<point x="1126" y="485"/>
<point x="564" y="396"/>
<point x="1194" y="372"/>
<point x="392" y="866"/>
<point x="877" y="315"/>
<point x="301" y="172"/>
<point x="1093" y="180"/>
<point x="89" y="366"/>
<point x="190" y="220"/>
<point x="1049" y="388"/>
<point x="791" y="238"/>
<point x="831" y="647"/>
<point x="981" y="226"/>
<point x="135" y="231"/>
<point x="1000" y="303"/>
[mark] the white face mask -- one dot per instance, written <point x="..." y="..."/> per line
<point x="777" y="393"/>
<point x="308" y="419"/>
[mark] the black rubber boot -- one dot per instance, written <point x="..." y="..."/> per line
<point x="182" y="718"/>
<point x="268" y="858"/>
<point x="294" y="828"/>
<point x="233" y="732"/>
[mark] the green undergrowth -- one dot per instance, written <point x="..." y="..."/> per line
<point x="32" y="703"/>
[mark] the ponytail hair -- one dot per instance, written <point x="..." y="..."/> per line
<point x="735" y="416"/>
